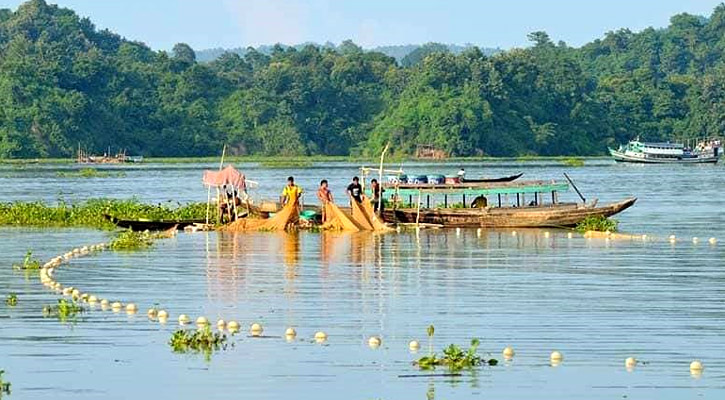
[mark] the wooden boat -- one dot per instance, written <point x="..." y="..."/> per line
<point x="534" y="214"/>
<point x="152" y="225"/>
<point x="494" y="180"/>
<point x="559" y="215"/>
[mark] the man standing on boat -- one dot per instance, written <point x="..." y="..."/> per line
<point x="291" y="192"/>
<point x="377" y="193"/>
<point x="354" y="190"/>
<point x="461" y="175"/>
<point x="325" y="196"/>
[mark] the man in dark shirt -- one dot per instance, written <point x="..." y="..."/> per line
<point x="354" y="190"/>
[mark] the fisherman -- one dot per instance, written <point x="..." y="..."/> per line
<point x="291" y="192"/>
<point x="354" y="190"/>
<point x="325" y="196"/>
<point x="461" y="175"/>
<point x="377" y="193"/>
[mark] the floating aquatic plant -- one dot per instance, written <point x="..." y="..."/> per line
<point x="132" y="240"/>
<point x="64" y="310"/>
<point x="202" y="340"/>
<point x="91" y="213"/>
<point x="4" y="386"/>
<point x="11" y="300"/>
<point x="89" y="173"/>
<point x="456" y="358"/>
<point x="597" y="223"/>
<point x="29" y="263"/>
<point x="573" y="162"/>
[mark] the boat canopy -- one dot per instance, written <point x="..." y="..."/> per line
<point x="478" y="189"/>
<point x="228" y="176"/>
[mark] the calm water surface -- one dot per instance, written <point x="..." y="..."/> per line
<point x="597" y="302"/>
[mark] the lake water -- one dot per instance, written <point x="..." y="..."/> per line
<point x="597" y="302"/>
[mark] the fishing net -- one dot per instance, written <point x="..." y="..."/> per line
<point x="375" y="220"/>
<point x="337" y="220"/>
<point x="287" y="217"/>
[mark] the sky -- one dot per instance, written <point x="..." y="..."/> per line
<point x="486" y="23"/>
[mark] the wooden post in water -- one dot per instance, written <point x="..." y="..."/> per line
<point x="380" y="181"/>
<point x="417" y="214"/>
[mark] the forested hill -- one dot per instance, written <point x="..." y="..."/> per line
<point x="64" y="83"/>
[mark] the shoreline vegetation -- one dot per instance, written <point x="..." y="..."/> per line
<point x="299" y="161"/>
<point x="66" y="86"/>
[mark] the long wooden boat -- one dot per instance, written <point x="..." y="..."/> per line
<point x="152" y="225"/>
<point x="531" y="206"/>
<point x="494" y="180"/>
<point x="559" y="215"/>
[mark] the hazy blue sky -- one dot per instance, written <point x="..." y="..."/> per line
<point x="486" y="23"/>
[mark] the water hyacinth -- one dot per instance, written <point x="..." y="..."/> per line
<point x="202" y="340"/>
<point x="91" y="213"/>
<point x="64" y="310"/>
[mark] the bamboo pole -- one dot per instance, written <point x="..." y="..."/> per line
<point x="380" y="181"/>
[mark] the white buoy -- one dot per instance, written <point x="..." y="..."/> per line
<point x="508" y="353"/>
<point x="202" y="322"/>
<point x="712" y="240"/>
<point x="644" y="237"/>
<point x="104" y="303"/>
<point x="92" y="299"/>
<point x="569" y="235"/>
<point x="374" y="342"/>
<point x="221" y="325"/>
<point x="458" y="231"/>
<point x="131" y="308"/>
<point x="413" y="346"/>
<point x="556" y="357"/>
<point x="290" y="332"/>
<point x="256" y="329"/>
<point x="320" y="337"/>
<point x="695" y="240"/>
<point x="696" y="367"/>
<point x="673" y="238"/>
<point x="233" y="326"/>
<point x="478" y="232"/>
<point x="76" y="293"/>
<point x="162" y="314"/>
<point x="184" y="319"/>
<point x="547" y="234"/>
<point x="630" y="362"/>
<point x="513" y="233"/>
<point x="116" y="306"/>
<point x="152" y="313"/>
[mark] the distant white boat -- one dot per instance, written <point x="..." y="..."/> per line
<point x="667" y="153"/>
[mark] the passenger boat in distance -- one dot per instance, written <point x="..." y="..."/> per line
<point x="707" y="151"/>
<point x="520" y="204"/>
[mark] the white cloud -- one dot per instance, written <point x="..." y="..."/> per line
<point x="269" y="21"/>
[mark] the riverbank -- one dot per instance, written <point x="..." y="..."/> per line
<point x="304" y="160"/>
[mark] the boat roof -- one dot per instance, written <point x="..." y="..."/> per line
<point x="663" y="144"/>
<point x="468" y="188"/>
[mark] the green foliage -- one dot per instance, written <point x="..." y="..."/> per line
<point x="4" y="386"/>
<point x="455" y="358"/>
<point x="89" y="173"/>
<point x="573" y="162"/>
<point x="91" y="212"/>
<point x="131" y="240"/>
<point x="11" y="300"/>
<point x="597" y="223"/>
<point x="29" y="263"/>
<point x="65" y="310"/>
<point x="202" y="340"/>
<point x="64" y="83"/>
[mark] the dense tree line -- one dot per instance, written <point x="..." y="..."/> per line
<point x="64" y="83"/>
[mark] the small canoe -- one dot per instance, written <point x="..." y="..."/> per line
<point x="143" y="224"/>
<point x="493" y="180"/>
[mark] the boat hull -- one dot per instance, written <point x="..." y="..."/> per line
<point x="560" y="215"/>
<point x="495" y="180"/>
<point x="158" y="225"/>
<point x="622" y="157"/>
